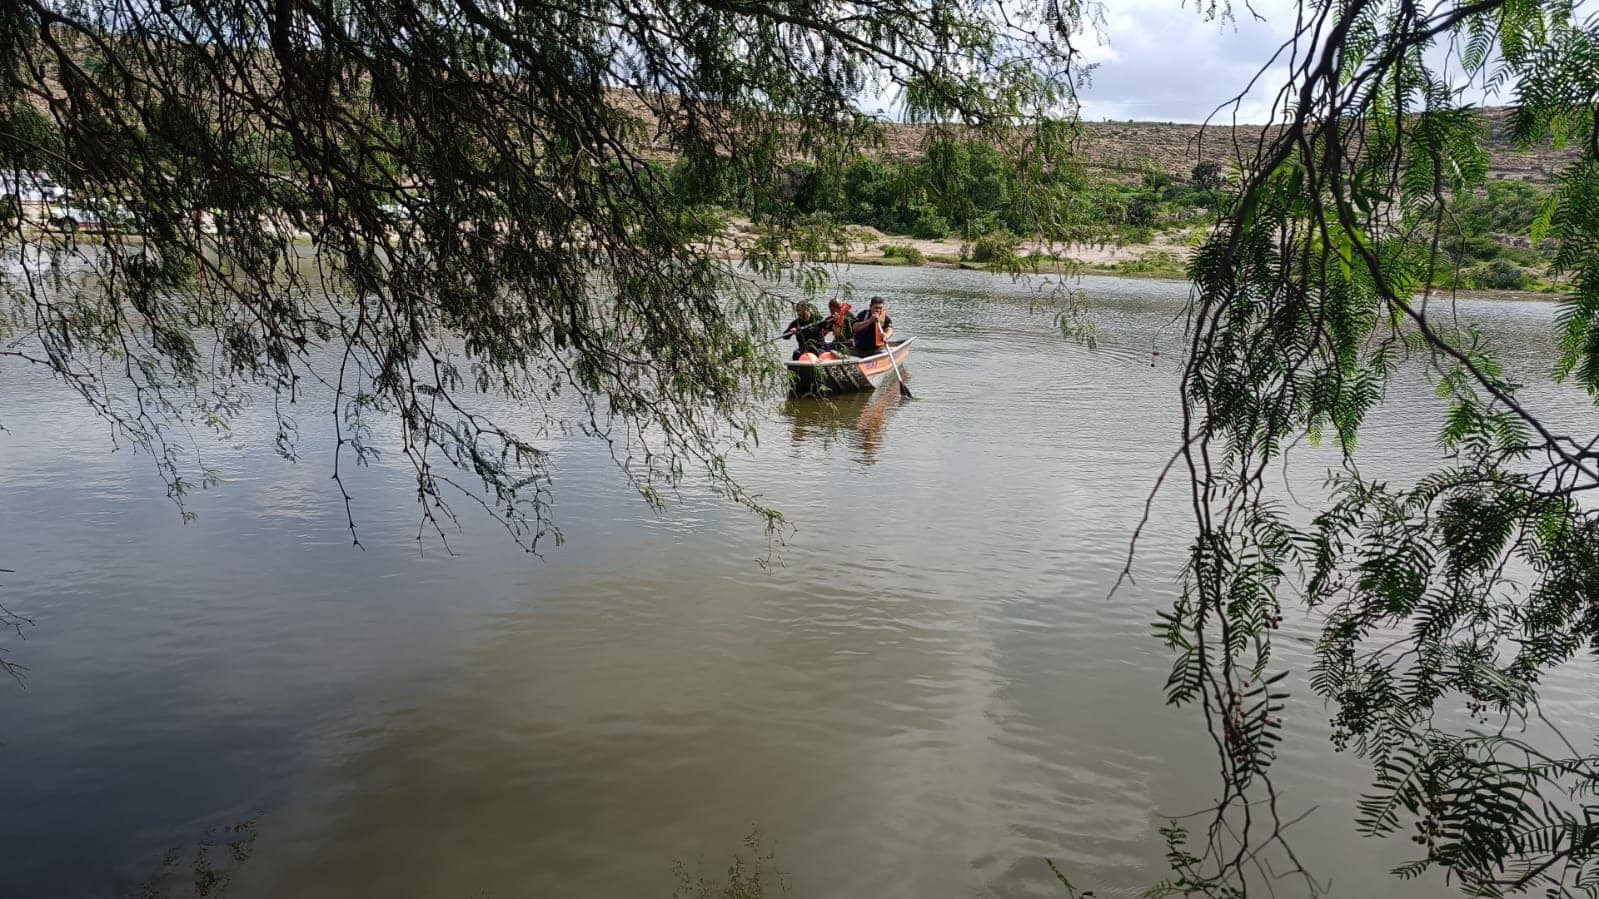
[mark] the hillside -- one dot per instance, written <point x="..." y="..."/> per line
<point x="1124" y="149"/>
<point x="1154" y="226"/>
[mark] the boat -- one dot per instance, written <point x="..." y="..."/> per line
<point x="848" y="373"/>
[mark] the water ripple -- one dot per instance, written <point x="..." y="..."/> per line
<point x="927" y="693"/>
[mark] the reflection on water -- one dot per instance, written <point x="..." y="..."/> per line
<point x="928" y="695"/>
<point x="858" y="418"/>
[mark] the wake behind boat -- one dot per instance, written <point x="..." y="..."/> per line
<point x="845" y="374"/>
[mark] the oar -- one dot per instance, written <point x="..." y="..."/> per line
<point x="786" y="335"/>
<point x="903" y="390"/>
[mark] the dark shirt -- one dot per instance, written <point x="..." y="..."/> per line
<point x="866" y="338"/>
<point x="805" y="333"/>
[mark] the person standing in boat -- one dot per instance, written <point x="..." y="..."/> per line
<point x="873" y="328"/>
<point x="806" y="329"/>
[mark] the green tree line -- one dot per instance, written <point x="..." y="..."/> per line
<point x="968" y="188"/>
<point x="973" y="190"/>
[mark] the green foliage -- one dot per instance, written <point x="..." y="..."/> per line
<point x="1208" y="175"/>
<point x="1501" y="274"/>
<point x="1156" y="263"/>
<point x="877" y="194"/>
<point x="1485" y="240"/>
<point x="1446" y="601"/>
<point x="1135" y="234"/>
<point x="1188" y="877"/>
<point x="28" y="140"/>
<point x="1574" y="222"/>
<point x="996" y="248"/>
<point x="970" y="184"/>
<point x="973" y="187"/>
<point x="1071" y="891"/>
<point x="910" y="254"/>
<point x="1155" y="180"/>
<point x="1499" y="207"/>
<point x="927" y="224"/>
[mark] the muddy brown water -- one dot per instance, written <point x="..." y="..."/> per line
<point x="927" y="695"/>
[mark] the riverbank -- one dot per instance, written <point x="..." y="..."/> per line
<point x="1166" y="256"/>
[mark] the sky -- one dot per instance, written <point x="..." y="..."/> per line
<point x="1161" y="60"/>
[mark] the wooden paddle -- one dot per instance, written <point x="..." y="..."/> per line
<point x="903" y="390"/>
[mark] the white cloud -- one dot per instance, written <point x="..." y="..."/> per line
<point x="1161" y="60"/>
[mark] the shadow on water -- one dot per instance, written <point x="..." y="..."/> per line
<point x="858" y="418"/>
<point x="206" y="870"/>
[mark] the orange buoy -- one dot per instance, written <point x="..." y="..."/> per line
<point x="827" y="356"/>
<point x="807" y="357"/>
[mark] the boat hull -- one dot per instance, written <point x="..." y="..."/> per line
<point x="850" y="374"/>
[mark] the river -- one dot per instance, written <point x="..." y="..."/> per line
<point x="925" y="691"/>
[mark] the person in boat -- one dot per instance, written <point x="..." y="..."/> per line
<point x="806" y="329"/>
<point x="873" y="328"/>
<point x="838" y="326"/>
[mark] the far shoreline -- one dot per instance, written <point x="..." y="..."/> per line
<point x="1112" y="270"/>
<point x="1162" y="260"/>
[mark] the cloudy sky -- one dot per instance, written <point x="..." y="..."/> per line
<point x="1161" y="60"/>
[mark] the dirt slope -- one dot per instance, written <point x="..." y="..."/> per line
<point x="1124" y="149"/>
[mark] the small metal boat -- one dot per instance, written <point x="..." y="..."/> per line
<point x="848" y="373"/>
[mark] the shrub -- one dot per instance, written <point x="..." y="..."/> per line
<point x="910" y="254"/>
<point x="701" y="223"/>
<point x="1142" y="212"/>
<point x="996" y="246"/>
<point x="983" y="224"/>
<point x="929" y="224"/>
<point x="1157" y="263"/>
<point x="1209" y="176"/>
<point x="1474" y="248"/>
<point x="1155" y="180"/>
<point x="1501" y="275"/>
<point x="1138" y="234"/>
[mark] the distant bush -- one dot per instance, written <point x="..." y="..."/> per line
<point x="1506" y="207"/>
<point x="1155" y="179"/>
<point x="702" y="223"/>
<point x="994" y="247"/>
<point x="1158" y="263"/>
<point x="1208" y="175"/>
<point x="1500" y="274"/>
<point x="910" y="254"/>
<point x="929" y="224"/>
<point x="1137" y="234"/>
<point x="1142" y="212"/>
